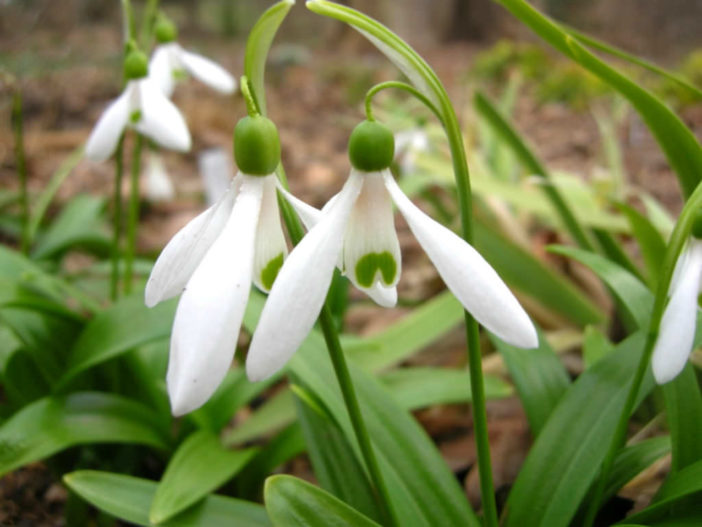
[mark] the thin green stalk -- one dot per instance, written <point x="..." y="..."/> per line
<point x="678" y="239"/>
<point x="401" y="86"/>
<point x="20" y="160"/>
<point x="133" y="217"/>
<point x="148" y="22"/>
<point x="116" y="220"/>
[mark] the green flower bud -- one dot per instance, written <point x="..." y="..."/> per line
<point x="165" y="30"/>
<point x="256" y="146"/>
<point x="136" y="65"/>
<point x="697" y="225"/>
<point x="371" y="146"/>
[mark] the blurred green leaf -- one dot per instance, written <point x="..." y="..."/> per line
<point x="540" y="379"/>
<point x="292" y="502"/>
<point x="595" y="346"/>
<point x="683" y="404"/>
<point x="53" y="424"/>
<point x="199" y="466"/>
<point x="277" y="412"/>
<point x="128" y="498"/>
<point x="650" y="241"/>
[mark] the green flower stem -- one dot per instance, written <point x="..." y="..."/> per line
<point x="678" y="240"/>
<point x="129" y="22"/>
<point x="20" y="161"/>
<point x="401" y="86"/>
<point x="116" y="221"/>
<point x="147" y="23"/>
<point x="133" y="217"/>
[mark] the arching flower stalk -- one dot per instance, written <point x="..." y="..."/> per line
<point x="170" y="63"/>
<point x="141" y="106"/>
<point x="213" y="260"/>
<point x="358" y="228"/>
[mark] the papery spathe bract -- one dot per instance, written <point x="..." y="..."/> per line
<point x="677" y="329"/>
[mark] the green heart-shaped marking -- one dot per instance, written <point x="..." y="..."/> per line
<point x="370" y="263"/>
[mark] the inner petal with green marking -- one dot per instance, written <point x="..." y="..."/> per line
<point x="371" y="263"/>
<point x="270" y="271"/>
<point x="135" y="116"/>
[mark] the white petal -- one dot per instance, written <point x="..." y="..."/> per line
<point x="160" y="119"/>
<point x="215" y="170"/>
<point x="371" y="249"/>
<point x="381" y="295"/>
<point x="210" y="312"/>
<point x="677" y="330"/>
<point x="300" y="289"/>
<point x="105" y="136"/>
<point x="159" y="186"/>
<point x="209" y="72"/>
<point x="187" y="248"/>
<point x="271" y="248"/>
<point x="161" y="68"/>
<point x="469" y="277"/>
<point x="307" y="213"/>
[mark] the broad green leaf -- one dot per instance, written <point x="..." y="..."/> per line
<point x="259" y="42"/>
<point x="276" y="413"/>
<point x="568" y="452"/>
<point x="118" y="329"/>
<point x="650" y="241"/>
<point x="80" y="223"/>
<point x="292" y="502"/>
<point x="335" y="466"/>
<point x="53" y="424"/>
<point x="683" y="404"/>
<point x="595" y="346"/>
<point x="540" y="379"/>
<point x="199" y="466"/>
<point x="419" y="387"/>
<point x="677" y="141"/>
<point x="634" y="296"/>
<point x="23" y="382"/>
<point x="128" y="498"/>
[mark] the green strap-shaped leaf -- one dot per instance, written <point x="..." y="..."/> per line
<point x="52" y="424"/>
<point x="595" y="345"/>
<point x="539" y="377"/>
<point x="683" y="404"/>
<point x="568" y="452"/>
<point x="650" y="241"/>
<point x="128" y="498"/>
<point x="634" y="296"/>
<point x="292" y="502"/>
<point x="259" y="42"/>
<point x="677" y="141"/>
<point x="199" y="466"/>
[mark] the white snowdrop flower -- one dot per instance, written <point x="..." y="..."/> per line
<point x="141" y="106"/>
<point x="215" y="170"/>
<point x="213" y="260"/>
<point x="677" y="330"/>
<point x="357" y="226"/>
<point x="170" y="62"/>
<point x="159" y="186"/>
<point x="408" y="144"/>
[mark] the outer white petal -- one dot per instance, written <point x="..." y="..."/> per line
<point x="300" y="289"/>
<point x="209" y="72"/>
<point x="160" y="119"/>
<point x="469" y="277"/>
<point x="308" y="214"/>
<point x="677" y="331"/>
<point x="159" y="186"/>
<point x="210" y="312"/>
<point x="271" y="248"/>
<point x="187" y="248"/>
<point x="371" y="235"/>
<point x="105" y="136"/>
<point x="161" y="68"/>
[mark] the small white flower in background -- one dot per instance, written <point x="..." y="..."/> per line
<point x="408" y="144"/>
<point x="215" y="171"/>
<point x="213" y="261"/>
<point x="357" y="225"/>
<point x="677" y="330"/>
<point x="141" y="106"/>
<point x="159" y="186"/>
<point x="170" y="62"/>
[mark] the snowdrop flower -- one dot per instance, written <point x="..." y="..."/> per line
<point x="357" y="226"/>
<point x="159" y="186"/>
<point x="170" y="62"/>
<point x="677" y="330"/>
<point x="141" y="106"/>
<point x="408" y="144"/>
<point x="213" y="261"/>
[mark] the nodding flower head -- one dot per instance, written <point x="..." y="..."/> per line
<point x="356" y="231"/>
<point x="141" y="106"/>
<point x="170" y="62"/>
<point x="213" y="260"/>
<point x="676" y="334"/>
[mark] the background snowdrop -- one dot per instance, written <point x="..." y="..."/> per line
<point x="159" y="186"/>
<point x="141" y="106"/>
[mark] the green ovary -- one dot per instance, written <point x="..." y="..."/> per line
<point x="135" y="116"/>
<point x="270" y="271"/>
<point x="369" y="264"/>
